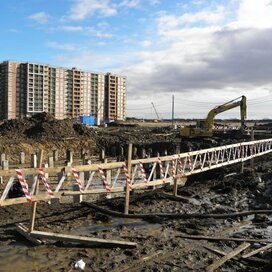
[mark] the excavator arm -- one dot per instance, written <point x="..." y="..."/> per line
<point x="209" y="121"/>
<point x="205" y="127"/>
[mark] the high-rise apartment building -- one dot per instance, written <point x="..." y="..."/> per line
<point x="30" y="88"/>
<point x="115" y="97"/>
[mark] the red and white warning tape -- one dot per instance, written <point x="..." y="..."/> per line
<point x="128" y="181"/>
<point x="162" y="176"/>
<point x="173" y="167"/>
<point x="23" y="183"/>
<point x="180" y="165"/>
<point x="46" y="185"/>
<point x="78" y="182"/>
<point x="143" y="171"/>
<point x="104" y="179"/>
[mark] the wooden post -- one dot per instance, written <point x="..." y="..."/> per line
<point x="34" y="161"/>
<point x="78" y="198"/>
<point x="3" y="157"/>
<point x="69" y="156"/>
<point x="5" y="165"/>
<point x="102" y="155"/>
<point x="22" y="157"/>
<point x="51" y="162"/>
<point x="129" y="173"/>
<point x="34" y="204"/>
<point x="56" y="155"/>
<point x="175" y="187"/>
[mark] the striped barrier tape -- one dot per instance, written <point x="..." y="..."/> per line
<point x="173" y="167"/>
<point x="46" y="185"/>
<point x="78" y="181"/>
<point x="23" y="184"/>
<point x="180" y="165"/>
<point x="162" y="176"/>
<point x="143" y="171"/>
<point x="128" y="181"/>
<point x="104" y="179"/>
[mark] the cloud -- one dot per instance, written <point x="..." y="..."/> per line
<point x="40" y="17"/>
<point x="62" y="46"/>
<point x="98" y="33"/>
<point x="212" y="54"/>
<point x="91" y="61"/>
<point x="69" y="28"/>
<point x="14" y="30"/>
<point x="146" y="43"/>
<point x="254" y="14"/>
<point x="208" y="60"/>
<point x="81" y="9"/>
<point x="154" y="2"/>
<point x="130" y="3"/>
<point x="210" y="17"/>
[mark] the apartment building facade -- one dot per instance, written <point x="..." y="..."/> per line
<point x="115" y="97"/>
<point x="30" y="88"/>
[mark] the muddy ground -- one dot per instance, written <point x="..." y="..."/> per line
<point x="159" y="245"/>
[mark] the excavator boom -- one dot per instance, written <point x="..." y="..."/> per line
<point x="205" y="127"/>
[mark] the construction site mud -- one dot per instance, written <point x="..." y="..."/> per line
<point x="160" y="245"/>
<point x="165" y="242"/>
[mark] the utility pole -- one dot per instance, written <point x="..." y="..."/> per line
<point x="173" y="109"/>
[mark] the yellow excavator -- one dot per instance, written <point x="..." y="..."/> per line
<point x="204" y="128"/>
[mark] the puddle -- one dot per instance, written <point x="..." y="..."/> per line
<point x="20" y="257"/>
<point x="135" y="224"/>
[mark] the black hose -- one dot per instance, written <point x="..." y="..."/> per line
<point x="175" y="215"/>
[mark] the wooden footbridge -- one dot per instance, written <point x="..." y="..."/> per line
<point x="122" y="177"/>
<point x="116" y="177"/>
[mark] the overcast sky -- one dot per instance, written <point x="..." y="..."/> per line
<point x="205" y="53"/>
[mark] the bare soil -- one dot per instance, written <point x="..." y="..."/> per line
<point x="160" y="247"/>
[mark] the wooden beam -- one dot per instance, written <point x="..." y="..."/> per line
<point x="200" y="237"/>
<point x="21" y="200"/>
<point x="254" y="252"/>
<point x="129" y="157"/>
<point x="227" y="257"/>
<point x="24" y="231"/>
<point x="90" y="241"/>
<point x="36" y="191"/>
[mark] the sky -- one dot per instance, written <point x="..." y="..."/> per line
<point x="202" y="53"/>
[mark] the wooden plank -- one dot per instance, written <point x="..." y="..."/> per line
<point x="24" y="231"/>
<point x="215" y="250"/>
<point x="21" y="200"/>
<point x="227" y="257"/>
<point x="201" y="237"/>
<point x="82" y="240"/>
<point x="94" y="191"/>
<point x="36" y="191"/>
<point x="254" y="252"/>
<point x="129" y="174"/>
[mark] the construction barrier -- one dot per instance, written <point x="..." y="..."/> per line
<point x="149" y="172"/>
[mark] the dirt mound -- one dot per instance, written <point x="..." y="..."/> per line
<point x="43" y="126"/>
<point x="15" y="128"/>
<point x="52" y="129"/>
